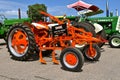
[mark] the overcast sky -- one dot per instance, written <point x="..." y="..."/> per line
<point x="55" y="7"/>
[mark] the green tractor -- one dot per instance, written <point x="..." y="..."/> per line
<point x="111" y="26"/>
<point x="5" y="24"/>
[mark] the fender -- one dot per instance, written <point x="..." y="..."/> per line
<point x="40" y="26"/>
<point x="54" y="24"/>
<point x="98" y="27"/>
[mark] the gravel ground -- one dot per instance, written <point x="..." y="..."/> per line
<point x="107" y="68"/>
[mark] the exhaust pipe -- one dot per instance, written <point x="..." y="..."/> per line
<point x="19" y="14"/>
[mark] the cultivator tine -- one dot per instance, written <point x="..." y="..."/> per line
<point x="53" y="58"/>
<point x="41" y="58"/>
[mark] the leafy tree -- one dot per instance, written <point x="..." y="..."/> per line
<point x="34" y="12"/>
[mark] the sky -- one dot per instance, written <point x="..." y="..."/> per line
<point x="55" y="7"/>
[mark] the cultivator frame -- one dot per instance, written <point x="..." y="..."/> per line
<point x="75" y="35"/>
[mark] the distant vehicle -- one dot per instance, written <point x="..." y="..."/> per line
<point x="5" y="24"/>
<point x="111" y="26"/>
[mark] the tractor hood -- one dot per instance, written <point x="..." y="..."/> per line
<point x="14" y="21"/>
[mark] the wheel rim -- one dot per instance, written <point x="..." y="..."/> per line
<point x="70" y="60"/>
<point x="18" y="42"/>
<point x="115" y="41"/>
<point x="91" y="53"/>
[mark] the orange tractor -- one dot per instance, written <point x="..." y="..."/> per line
<point x="24" y="39"/>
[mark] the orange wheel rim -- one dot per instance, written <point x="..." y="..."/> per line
<point x="91" y="52"/>
<point x="19" y="41"/>
<point x="71" y="59"/>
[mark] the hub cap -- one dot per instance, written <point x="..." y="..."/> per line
<point x="115" y="41"/>
<point x="70" y="60"/>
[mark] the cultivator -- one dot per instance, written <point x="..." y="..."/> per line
<point x="22" y="41"/>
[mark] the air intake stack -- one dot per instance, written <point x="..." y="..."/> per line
<point x="19" y="13"/>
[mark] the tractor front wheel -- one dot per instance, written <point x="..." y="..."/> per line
<point x="114" y="41"/>
<point x="71" y="59"/>
<point x="20" y="42"/>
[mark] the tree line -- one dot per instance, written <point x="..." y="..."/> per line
<point x="33" y="12"/>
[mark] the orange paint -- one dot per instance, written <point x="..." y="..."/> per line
<point x="71" y="59"/>
<point x="19" y="41"/>
<point x="46" y="41"/>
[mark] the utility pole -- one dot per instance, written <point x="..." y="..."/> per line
<point x="117" y="12"/>
<point x="107" y="9"/>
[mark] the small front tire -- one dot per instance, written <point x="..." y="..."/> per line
<point x="71" y="59"/>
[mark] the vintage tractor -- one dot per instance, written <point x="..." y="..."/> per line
<point x="5" y="24"/>
<point x="111" y="26"/>
<point x="26" y="39"/>
<point x="2" y="29"/>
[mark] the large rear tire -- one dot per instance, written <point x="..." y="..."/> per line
<point x="102" y="36"/>
<point x="87" y="27"/>
<point x="20" y="42"/>
<point x="71" y="59"/>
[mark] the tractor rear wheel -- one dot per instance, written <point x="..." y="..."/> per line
<point x="20" y="42"/>
<point x="114" y="41"/>
<point x="92" y="54"/>
<point x="102" y="36"/>
<point x="71" y="59"/>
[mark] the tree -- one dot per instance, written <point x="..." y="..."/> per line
<point x="34" y="12"/>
